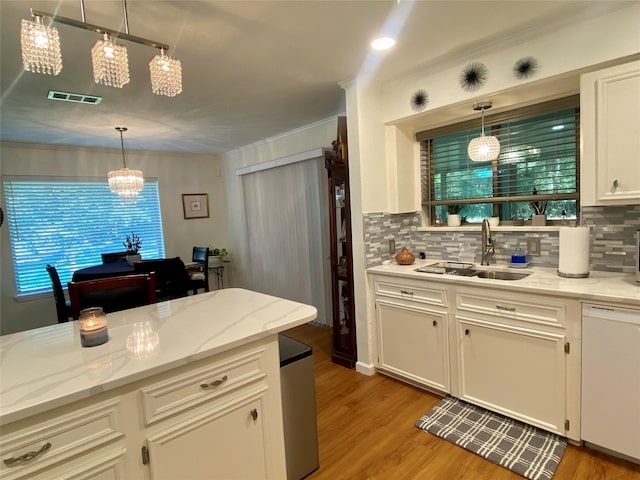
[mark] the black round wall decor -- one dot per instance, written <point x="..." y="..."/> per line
<point x="419" y="100"/>
<point x="525" y="67"/>
<point x="473" y="76"/>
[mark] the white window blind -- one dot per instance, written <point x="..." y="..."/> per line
<point x="69" y="224"/>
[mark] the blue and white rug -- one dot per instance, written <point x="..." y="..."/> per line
<point x="523" y="449"/>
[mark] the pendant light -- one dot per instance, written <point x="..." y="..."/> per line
<point x="483" y="148"/>
<point x="126" y="183"/>
<point x="40" y="47"/>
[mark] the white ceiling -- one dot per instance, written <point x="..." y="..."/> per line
<point x="251" y="69"/>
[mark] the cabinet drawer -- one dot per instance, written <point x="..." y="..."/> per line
<point x="193" y="387"/>
<point x="38" y="445"/>
<point x="529" y="308"/>
<point x="429" y="295"/>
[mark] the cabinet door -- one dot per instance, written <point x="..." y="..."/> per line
<point x="227" y="443"/>
<point x="514" y="371"/>
<point x="413" y="343"/>
<point x="610" y="110"/>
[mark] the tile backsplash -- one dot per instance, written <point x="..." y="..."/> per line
<point x="612" y="239"/>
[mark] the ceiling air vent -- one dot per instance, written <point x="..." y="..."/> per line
<point x="74" y="97"/>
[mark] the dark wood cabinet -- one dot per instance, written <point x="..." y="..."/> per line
<point x="343" y="326"/>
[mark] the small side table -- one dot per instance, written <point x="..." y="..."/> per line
<point x="219" y="271"/>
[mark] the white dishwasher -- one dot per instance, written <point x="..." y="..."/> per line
<point x="611" y="378"/>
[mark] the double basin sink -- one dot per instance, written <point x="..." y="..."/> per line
<point x="468" y="270"/>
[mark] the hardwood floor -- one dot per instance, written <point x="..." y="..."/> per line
<point x="366" y="431"/>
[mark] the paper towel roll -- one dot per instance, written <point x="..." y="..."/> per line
<point x="574" y="252"/>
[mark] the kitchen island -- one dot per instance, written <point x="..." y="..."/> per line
<point x="188" y="387"/>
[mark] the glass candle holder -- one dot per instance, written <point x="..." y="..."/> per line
<point x="93" y="327"/>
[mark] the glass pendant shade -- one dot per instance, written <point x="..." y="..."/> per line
<point x="166" y="75"/>
<point x="126" y="183"/>
<point x="110" y="63"/>
<point x="484" y="148"/>
<point x="40" y="48"/>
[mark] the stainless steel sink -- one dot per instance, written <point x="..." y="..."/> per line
<point x="500" y="275"/>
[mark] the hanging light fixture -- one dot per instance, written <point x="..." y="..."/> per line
<point x="126" y="183"/>
<point x="483" y="148"/>
<point x="40" y="47"/>
<point x="110" y="63"/>
<point x="110" y="60"/>
<point x="166" y="75"/>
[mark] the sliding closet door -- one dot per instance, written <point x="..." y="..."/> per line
<point x="287" y="218"/>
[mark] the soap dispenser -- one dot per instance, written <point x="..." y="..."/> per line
<point x="519" y="258"/>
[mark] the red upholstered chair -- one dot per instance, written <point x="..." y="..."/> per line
<point x="112" y="294"/>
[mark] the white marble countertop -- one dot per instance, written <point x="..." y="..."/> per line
<point x="46" y="367"/>
<point x="618" y="288"/>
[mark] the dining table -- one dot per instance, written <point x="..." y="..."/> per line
<point x="104" y="270"/>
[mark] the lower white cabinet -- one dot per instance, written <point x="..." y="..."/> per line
<point x="515" y="371"/>
<point x="413" y="343"/>
<point x="514" y="353"/>
<point x="224" y="443"/>
<point x="217" y="417"/>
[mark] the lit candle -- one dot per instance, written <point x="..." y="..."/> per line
<point x="93" y="327"/>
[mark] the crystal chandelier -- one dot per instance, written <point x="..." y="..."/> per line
<point x="126" y="183"/>
<point x="110" y="63"/>
<point x="41" y="53"/>
<point x="40" y="47"/>
<point x="483" y="148"/>
<point x="166" y="75"/>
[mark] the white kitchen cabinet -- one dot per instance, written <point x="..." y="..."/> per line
<point x="227" y="443"/>
<point x="50" y="446"/>
<point x="519" y="355"/>
<point x="217" y="417"/>
<point x="610" y="131"/>
<point x="518" y="372"/>
<point x="514" y="353"/>
<point x="412" y="325"/>
<point x="413" y="344"/>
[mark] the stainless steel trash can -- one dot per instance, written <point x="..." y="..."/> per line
<point x="298" y="407"/>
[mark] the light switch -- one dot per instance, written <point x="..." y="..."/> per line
<point x="533" y="246"/>
<point x="392" y="246"/>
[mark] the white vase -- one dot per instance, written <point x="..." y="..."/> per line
<point x="453" y="220"/>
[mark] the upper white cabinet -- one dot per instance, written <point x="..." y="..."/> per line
<point x="610" y="130"/>
<point x="403" y="170"/>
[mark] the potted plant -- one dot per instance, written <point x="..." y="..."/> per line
<point x="132" y="243"/>
<point x="453" y="217"/>
<point x="539" y="218"/>
<point x="218" y="256"/>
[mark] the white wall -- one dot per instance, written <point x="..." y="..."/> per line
<point x="176" y="174"/>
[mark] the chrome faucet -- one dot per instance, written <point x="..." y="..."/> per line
<point x="487" y="243"/>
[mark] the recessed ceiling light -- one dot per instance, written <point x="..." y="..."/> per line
<point x="383" y="43"/>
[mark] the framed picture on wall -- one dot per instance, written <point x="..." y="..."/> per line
<point x="195" y="205"/>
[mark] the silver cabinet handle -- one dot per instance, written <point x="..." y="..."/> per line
<point x="215" y="383"/>
<point x="10" y="462"/>
<point x="467" y="331"/>
<point x="506" y="309"/>
<point x="254" y="414"/>
<point x="406" y="292"/>
<point x="435" y="323"/>
<point x="615" y="184"/>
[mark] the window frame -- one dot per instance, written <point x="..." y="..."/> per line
<point x="493" y="122"/>
<point x="31" y="279"/>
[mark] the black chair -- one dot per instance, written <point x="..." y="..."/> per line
<point x="172" y="279"/>
<point x="200" y="273"/>
<point x="112" y="294"/>
<point x="63" y="306"/>
<point x="115" y="257"/>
